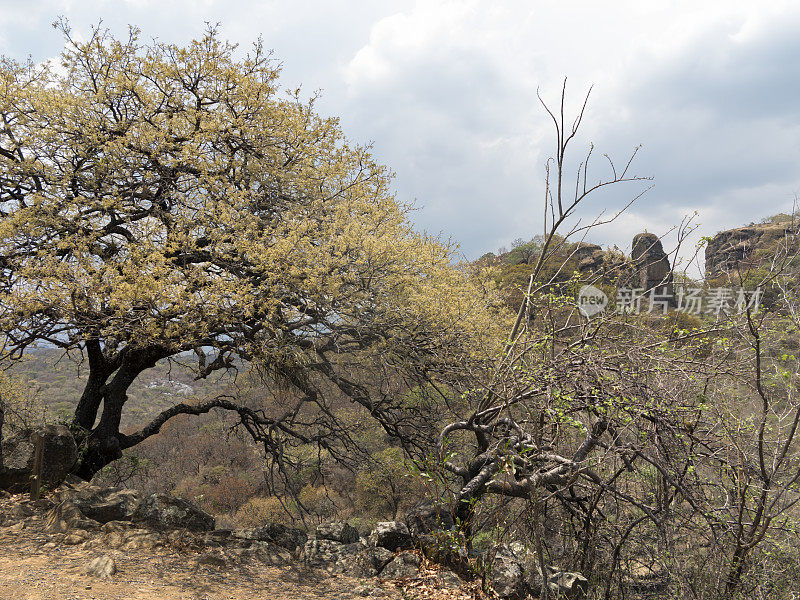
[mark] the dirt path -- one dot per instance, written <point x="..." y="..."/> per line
<point x="32" y="569"/>
<point x="37" y="565"/>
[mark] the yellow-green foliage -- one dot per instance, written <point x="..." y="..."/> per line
<point x="259" y="511"/>
<point x="386" y="485"/>
<point x="319" y="501"/>
<point x="20" y="403"/>
<point x="175" y="196"/>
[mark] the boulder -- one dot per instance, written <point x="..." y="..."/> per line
<point x="104" y="504"/>
<point x="448" y="580"/>
<point x="426" y="517"/>
<point x="381" y="557"/>
<point x="392" y="535"/>
<point x="102" y="567"/>
<point x="290" y="538"/>
<point x="405" y="564"/>
<point x="160" y="511"/>
<point x="354" y="560"/>
<point x="567" y="584"/>
<point x="337" y="531"/>
<point x="66" y="517"/>
<point x="562" y="584"/>
<point x="60" y="454"/>
<point x="507" y="577"/>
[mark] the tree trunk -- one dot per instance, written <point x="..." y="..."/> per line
<point x="2" y="420"/>
<point x="101" y="445"/>
<point x="100" y="369"/>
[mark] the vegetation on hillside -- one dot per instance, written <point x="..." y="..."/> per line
<point x="170" y="220"/>
<point x="159" y="201"/>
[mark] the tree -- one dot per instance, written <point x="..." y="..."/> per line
<point x="638" y="449"/>
<point x="160" y="200"/>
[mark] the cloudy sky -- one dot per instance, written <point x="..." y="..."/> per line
<point x="446" y="92"/>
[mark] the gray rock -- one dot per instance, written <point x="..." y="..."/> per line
<point x="448" y="580"/>
<point x="65" y="517"/>
<point x="392" y="535"/>
<point x="567" y="584"/>
<point x="426" y="517"/>
<point x="289" y="538"/>
<point x="381" y="557"/>
<point x="104" y="504"/>
<point x="562" y="584"/>
<point x="60" y="454"/>
<point x="337" y="531"/>
<point x="102" y="567"/>
<point x="404" y="565"/>
<point x="354" y="560"/>
<point x="507" y="577"/>
<point x="320" y="553"/>
<point x="160" y="511"/>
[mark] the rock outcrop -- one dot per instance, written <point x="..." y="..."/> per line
<point x="60" y="454"/>
<point x="590" y="257"/>
<point x="160" y="511"/>
<point x="426" y="517"/>
<point x="290" y="538"/>
<point x="159" y="523"/>
<point x="729" y="250"/>
<point x="392" y="535"/>
<point x="651" y="264"/>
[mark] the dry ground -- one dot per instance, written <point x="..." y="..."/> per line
<point x="36" y="565"/>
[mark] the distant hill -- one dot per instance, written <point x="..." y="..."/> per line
<point x="748" y="247"/>
<point x="58" y="382"/>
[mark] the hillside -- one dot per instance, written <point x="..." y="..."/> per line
<point x="748" y="247"/>
<point x="58" y="381"/>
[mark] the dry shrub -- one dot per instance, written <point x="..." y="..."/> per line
<point x="320" y="502"/>
<point x="260" y="511"/>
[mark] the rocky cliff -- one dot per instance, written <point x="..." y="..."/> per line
<point x="746" y="246"/>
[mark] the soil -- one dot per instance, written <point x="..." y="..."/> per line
<point x="37" y="565"/>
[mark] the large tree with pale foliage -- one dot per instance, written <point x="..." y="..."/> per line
<point x="160" y="200"/>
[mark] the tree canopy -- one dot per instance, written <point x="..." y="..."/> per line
<point x="158" y="200"/>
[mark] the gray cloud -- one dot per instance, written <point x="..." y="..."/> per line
<point x="446" y="90"/>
